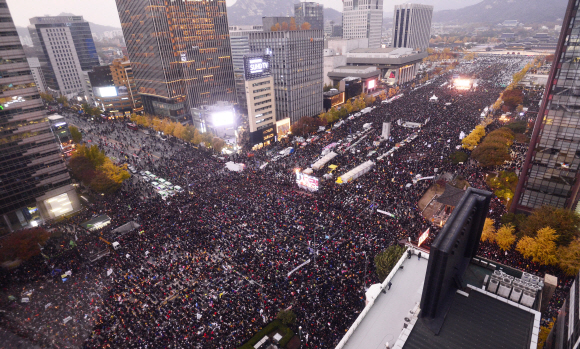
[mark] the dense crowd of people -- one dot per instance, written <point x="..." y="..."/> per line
<point x="207" y="268"/>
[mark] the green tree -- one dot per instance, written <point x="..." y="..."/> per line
<point x="47" y="97"/>
<point x="542" y="248"/>
<point x="563" y="221"/>
<point x="76" y="135"/>
<point x="386" y="260"/>
<point x="286" y="316"/>
<point x="488" y="233"/>
<point x="62" y="100"/>
<point x="505" y="237"/>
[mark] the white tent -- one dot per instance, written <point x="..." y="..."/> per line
<point x="322" y="161"/>
<point x="356" y="172"/>
<point x="232" y="166"/>
<point x="433" y="99"/>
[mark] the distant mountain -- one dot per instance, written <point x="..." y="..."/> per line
<point x="250" y="12"/>
<point x="95" y="28"/>
<point x="98" y="29"/>
<point x="496" y="11"/>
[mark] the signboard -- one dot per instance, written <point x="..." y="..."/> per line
<point x="386" y="130"/>
<point x="265" y="135"/>
<point x="283" y="127"/>
<point x="256" y="67"/>
<point x="423" y="237"/>
<point x="183" y="57"/>
<point x="307" y="182"/>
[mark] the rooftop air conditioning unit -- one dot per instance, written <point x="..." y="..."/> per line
<point x="528" y="299"/>
<point x="504" y="290"/>
<point x="493" y="284"/>
<point x="497" y="272"/>
<point x="516" y="294"/>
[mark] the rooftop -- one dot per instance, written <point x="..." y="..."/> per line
<point x="451" y="196"/>
<point x="478" y="320"/>
<point x="376" y="329"/>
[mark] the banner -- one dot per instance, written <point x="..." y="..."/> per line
<point x="423" y="237"/>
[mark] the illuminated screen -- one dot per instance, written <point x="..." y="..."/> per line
<point x="462" y="84"/>
<point x="372" y="84"/>
<point x="223" y="118"/>
<point x="109" y="91"/>
<point x="307" y="182"/>
<point x="256" y="67"/>
<point x="59" y="205"/>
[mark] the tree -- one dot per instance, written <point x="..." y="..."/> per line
<point x="218" y="144"/>
<point x="305" y="26"/>
<point x="512" y="98"/>
<point x="386" y="260"/>
<point x="348" y="106"/>
<point x="545" y="332"/>
<point x="76" y="135"/>
<point x="306" y="125"/>
<point x="505" y="237"/>
<point x="62" y="100"/>
<point x="542" y="248"/>
<point x="116" y="173"/>
<point x="23" y="244"/>
<point x="101" y="183"/>
<point x="488" y="233"/>
<point x="293" y="25"/>
<point x="47" y="97"/>
<point x="276" y="27"/>
<point x="569" y="258"/>
<point x="563" y="221"/>
<point x="179" y="130"/>
<point x="383" y="95"/>
<point x="286" y="316"/>
<point x="284" y="26"/>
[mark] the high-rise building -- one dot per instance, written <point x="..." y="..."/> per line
<point x="65" y="48"/>
<point x="363" y="19"/>
<point x="297" y="65"/>
<point x="412" y="26"/>
<point x="311" y="12"/>
<point x="34" y="181"/>
<point x="551" y="174"/>
<point x="114" y="88"/>
<point x="240" y="48"/>
<point x="37" y="73"/>
<point x="180" y="54"/>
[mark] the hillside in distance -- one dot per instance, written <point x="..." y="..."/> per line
<point x="250" y="12"/>
<point x="497" y="11"/>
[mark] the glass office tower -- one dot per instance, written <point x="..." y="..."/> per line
<point x="551" y="174"/>
<point x="180" y="53"/>
<point x="34" y="181"/>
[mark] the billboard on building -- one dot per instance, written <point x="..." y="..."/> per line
<point x="107" y="91"/>
<point x="256" y="67"/>
<point x="283" y="127"/>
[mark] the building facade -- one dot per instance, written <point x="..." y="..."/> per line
<point x="240" y="43"/>
<point x="551" y="171"/>
<point x="65" y="48"/>
<point x="34" y="181"/>
<point x="311" y="12"/>
<point x="412" y="26"/>
<point x="37" y="73"/>
<point x="297" y="66"/>
<point x="180" y="54"/>
<point x="363" y="19"/>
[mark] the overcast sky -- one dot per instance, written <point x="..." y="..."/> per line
<point x="105" y="11"/>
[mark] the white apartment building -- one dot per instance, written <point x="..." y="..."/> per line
<point x="363" y="19"/>
<point x="37" y="73"/>
<point x="412" y="26"/>
<point x="261" y="103"/>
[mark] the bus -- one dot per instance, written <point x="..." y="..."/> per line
<point x="132" y="126"/>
